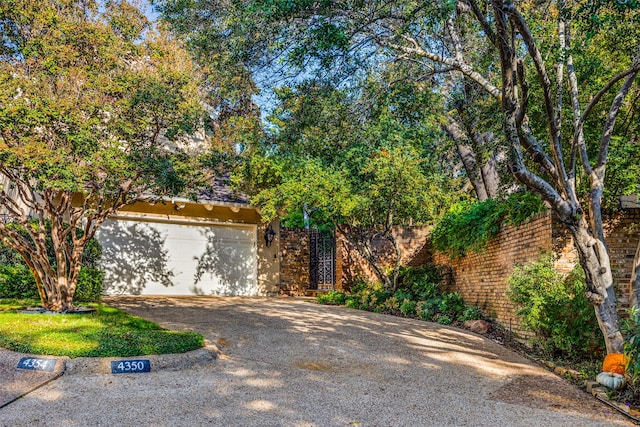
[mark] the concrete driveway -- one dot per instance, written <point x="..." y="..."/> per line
<point x="288" y="362"/>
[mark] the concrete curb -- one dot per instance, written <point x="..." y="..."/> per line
<point x="18" y="382"/>
<point x="174" y="362"/>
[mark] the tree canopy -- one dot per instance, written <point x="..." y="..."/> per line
<point x="95" y="104"/>
<point x="545" y="88"/>
<point x="360" y="161"/>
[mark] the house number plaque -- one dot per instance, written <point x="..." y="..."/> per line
<point x="130" y="366"/>
<point x="37" y="364"/>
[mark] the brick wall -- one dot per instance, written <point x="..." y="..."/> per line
<point x="294" y="260"/>
<point x="622" y="233"/>
<point x="480" y="277"/>
<point x="295" y="257"/>
<point x="411" y="240"/>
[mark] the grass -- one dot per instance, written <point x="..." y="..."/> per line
<point x="108" y="332"/>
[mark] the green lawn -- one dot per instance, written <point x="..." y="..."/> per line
<point x="107" y="332"/>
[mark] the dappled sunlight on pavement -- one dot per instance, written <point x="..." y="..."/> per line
<point x="286" y="361"/>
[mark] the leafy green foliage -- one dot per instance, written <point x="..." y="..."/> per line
<point x="360" y="170"/>
<point x="97" y="110"/>
<point x="631" y="330"/>
<point x="421" y="282"/>
<point x="470" y="226"/>
<point x="108" y="332"/>
<point x="17" y="281"/>
<point x="408" y="307"/>
<point x="471" y="313"/>
<point x="90" y="285"/>
<point x="332" y="298"/>
<point x="452" y="305"/>
<point x="556" y="309"/>
<point x="417" y="296"/>
<point x="623" y="169"/>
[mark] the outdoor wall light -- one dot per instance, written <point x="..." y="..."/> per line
<point x="269" y="235"/>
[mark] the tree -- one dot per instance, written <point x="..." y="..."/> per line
<point x="557" y="74"/>
<point x="95" y="105"/>
<point x="355" y="162"/>
<point x="550" y="166"/>
<point x="282" y="42"/>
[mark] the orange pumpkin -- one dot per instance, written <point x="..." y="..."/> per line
<point x="614" y="362"/>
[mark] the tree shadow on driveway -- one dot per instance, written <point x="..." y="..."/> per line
<point x="281" y="343"/>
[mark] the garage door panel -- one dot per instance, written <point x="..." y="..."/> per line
<point x="155" y="258"/>
<point x="226" y="263"/>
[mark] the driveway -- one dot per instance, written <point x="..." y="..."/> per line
<point x="288" y="362"/>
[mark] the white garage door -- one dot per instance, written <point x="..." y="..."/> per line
<point x="174" y="258"/>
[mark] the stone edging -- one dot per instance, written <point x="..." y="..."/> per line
<point x="600" y="392"/>
<point x="595" y="389"/>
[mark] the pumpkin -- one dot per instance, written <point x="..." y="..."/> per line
<point x="611" y="380"/>
<point x="614" y="362"/>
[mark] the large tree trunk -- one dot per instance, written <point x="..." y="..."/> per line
<point x="489" y="169"/>
<point x="397" y="261"/>
<point x="61" y="296"/>
<point x="468" y="158"/>
<point x="483" y="175"/>
<point x="595" y="262"/>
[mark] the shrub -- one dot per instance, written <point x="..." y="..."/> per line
<point x="422" y="312"/>
<point x="401" y="295"/>
<point x="421" y="281"/>
<point x="428" y="310"/>
<point x="90" y="285"/>
<point x="555" y="308"/>
<point x="408" y="307"/>
<point x="16" y="281"/>
<point x="332" y="298"/>
<point x="391" y="304"/>
<point x="352" y="301"/>
<point x="452" y="305"/>
<point x="443" y="319"/>
<point x="471" y="313"/>
<point x="417" y="296"/>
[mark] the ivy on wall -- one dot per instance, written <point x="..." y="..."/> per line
<point x="470" y="225"/>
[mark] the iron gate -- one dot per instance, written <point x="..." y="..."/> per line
<point x="322" y="268"/>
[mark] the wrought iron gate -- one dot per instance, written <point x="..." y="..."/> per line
<point x="322" y="268"/>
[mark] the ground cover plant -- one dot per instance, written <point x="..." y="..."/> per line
<point x="108" y="332"/>
<point x="418" y="296"/>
